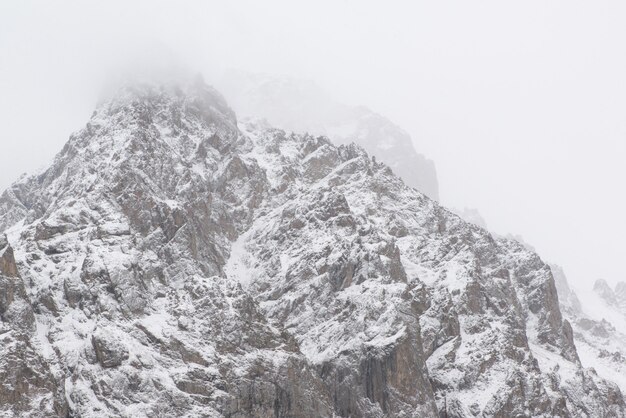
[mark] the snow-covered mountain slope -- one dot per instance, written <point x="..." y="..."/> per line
<point x="302" y="106"/>
<point x="172" y="262"/>
<point x="599" y="323"/>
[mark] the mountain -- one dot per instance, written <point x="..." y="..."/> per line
<point x="173" y="261"/>
<point x="599" y="324"/>
<point x="303" y="106"/>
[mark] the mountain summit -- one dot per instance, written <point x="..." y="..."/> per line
<point x="174" y="262"/>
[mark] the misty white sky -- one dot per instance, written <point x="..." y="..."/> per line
<point x="522" y="105"/>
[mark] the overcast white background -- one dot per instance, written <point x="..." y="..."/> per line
<point x="522" y="105"/>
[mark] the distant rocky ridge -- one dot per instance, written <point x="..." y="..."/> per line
<point x="302" y="106"/>
<point x="615" y="298"/>
<point x="173" y="261"/>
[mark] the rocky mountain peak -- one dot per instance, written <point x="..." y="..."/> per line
<point x="176" y="105"/>
<point x="173" y="263"/>
<point x="602" y="289"/>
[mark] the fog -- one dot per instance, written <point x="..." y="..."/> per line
<point x="522" y="105"/>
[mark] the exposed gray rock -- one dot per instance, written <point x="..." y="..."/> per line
<point x="110" y="351"/>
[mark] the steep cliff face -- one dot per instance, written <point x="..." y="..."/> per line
<point x="302" y="106"/>
<point x="28" y="383"/>
<point x="172" y="262"/>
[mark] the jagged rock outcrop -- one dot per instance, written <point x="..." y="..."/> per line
<point x="175" y="262"/>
